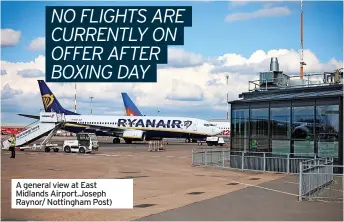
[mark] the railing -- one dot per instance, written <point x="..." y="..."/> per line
<point x="31" y="124"/>
<point x="319" y="179"/>
<point x="310" y="79"/>
<point x="250" y="161"/>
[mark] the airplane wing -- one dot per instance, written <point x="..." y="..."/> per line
<point x="118" y="131"/>
<point x="29" y="116"/>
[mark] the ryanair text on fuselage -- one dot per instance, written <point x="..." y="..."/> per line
<point x="152" y="123"/>
<point x="149" y="123"/>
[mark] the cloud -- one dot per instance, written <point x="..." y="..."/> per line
<point x="270" y="4"/>
<point x="8" y="93"/>
<point x="179" y="58"/>
<point x="265" y="12"/>
<point x="9" y="37"/>
<point x="195" y="91"/>
<point x="37" y="44"/>
<point x="30" y="73"/>
<point x="235" y="4"/>
<point x="3" y="72"/>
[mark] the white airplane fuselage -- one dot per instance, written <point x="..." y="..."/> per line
<point x="225" y="127"/>
<point x="146" y="127"/>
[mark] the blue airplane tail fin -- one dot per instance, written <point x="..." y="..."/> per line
<point x="50" y="102"/>
<point x="130" y="107"/>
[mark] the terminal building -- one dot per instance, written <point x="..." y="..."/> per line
<point x="291" y="115"/>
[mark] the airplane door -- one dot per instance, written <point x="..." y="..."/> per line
<point x="194" y="126"/>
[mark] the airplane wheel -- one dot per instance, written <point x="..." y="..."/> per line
<point x="116" y="140"/>
<point x="143" y="137"/>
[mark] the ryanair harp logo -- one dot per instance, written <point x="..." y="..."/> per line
<point x="47" y="100"/>
<point x="187" y="123"/>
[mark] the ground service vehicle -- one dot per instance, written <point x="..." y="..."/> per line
<point x="215" y="140"/>
<point x="84" y="143"/>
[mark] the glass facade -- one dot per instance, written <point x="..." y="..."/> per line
<point x="327" y="130"/>
<point x="240" y="129"/>
<point x="303" y="126"/>
<point x="259" y="122"/>
<point x="280" y="129"/>
<point x="240" y="120"/>
<point x="301" y="129"/>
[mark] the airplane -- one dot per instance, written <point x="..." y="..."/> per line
<point x="126" y="127"/>
<point x="143" y="128"/>
<point x="132" y="110"/>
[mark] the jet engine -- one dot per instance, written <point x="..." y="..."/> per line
<point x="134" y="135"/>
<point x="301" y="132"/>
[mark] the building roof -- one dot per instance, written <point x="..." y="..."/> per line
<point x="219" y="120"/>
<point x="291" y="94"/>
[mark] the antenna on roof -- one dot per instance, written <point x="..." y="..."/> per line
<point x="302" y="63"/>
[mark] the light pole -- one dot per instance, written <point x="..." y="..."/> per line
<point x="75" y="99"/>
<point x="91" y="97"/>
<point x="227" y="77"/>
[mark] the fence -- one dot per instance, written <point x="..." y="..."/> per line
<point x="157" y="145"/>
<point x="252" y="161"/>
<point x="320" y="179"/>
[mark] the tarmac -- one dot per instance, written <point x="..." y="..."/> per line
<point x="166" y="186"/>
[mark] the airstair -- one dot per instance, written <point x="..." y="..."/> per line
<point x="47" y="126"/>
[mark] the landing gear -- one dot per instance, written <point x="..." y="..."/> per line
<point x="128" y="141"/>
<point x="116" y="140"/>
<point x="188" y="140"/>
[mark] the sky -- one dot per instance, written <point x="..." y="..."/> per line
<point x="226" y="38"/>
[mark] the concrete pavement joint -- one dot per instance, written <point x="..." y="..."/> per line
<point x="265" y="188"/>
